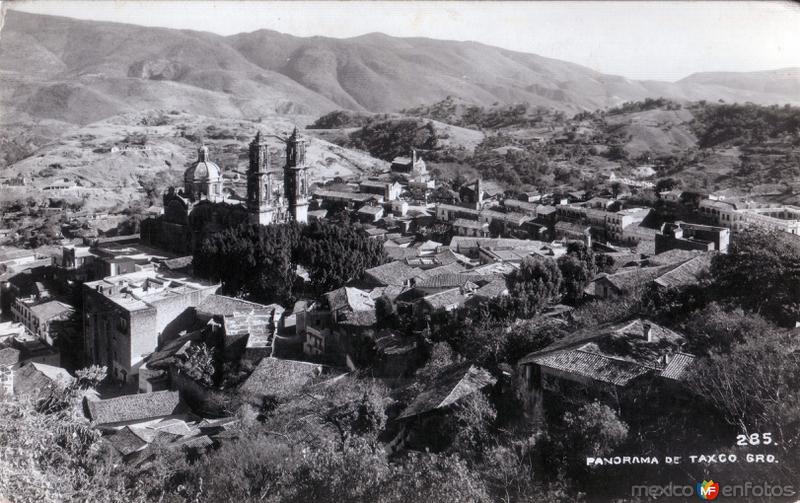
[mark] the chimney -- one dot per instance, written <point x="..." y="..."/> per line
<point x="647" y="331"/>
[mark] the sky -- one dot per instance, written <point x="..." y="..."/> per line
<point x="639" y="40"/>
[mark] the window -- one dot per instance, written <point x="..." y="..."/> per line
<point x="122" y="324"/>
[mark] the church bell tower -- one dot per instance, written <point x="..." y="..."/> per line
<point x="259" y="184"/>
<point x="295" y="178"/>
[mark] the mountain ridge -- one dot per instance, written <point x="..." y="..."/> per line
<point x="112" y="68"/>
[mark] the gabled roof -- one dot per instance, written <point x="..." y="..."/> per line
<point x="9" y="356"/>
<point x="627" y="278"/>
<point x="450" y="385"/>
<point x="678" y="367"/>
<point x="126" y="442"/>
<point x="277" y="377"/>
<point x="469" y="224"/>
<point x="446" y="299"/>
<point x="672" y="257"/>
<point x="36" y="378"/>
<point x="371" y="210"/>
<point x="687" y="273"/>
<point x="51" y="309"/>
<point x="358" y="318"/>
<point x="594" y="366"/>
<point x="178" y="263"/>
<point x="394" y="273"/>
<point x="349" y="298"/>
<point x="452" y="268"/>
<point x="221" y="305"/>
<point x="614" y="353"/>
<point x="257" y="325"/>
<point x="494" y="288"/>
<point x="400" y="252"/>
<point x="451" y="280"/>
<point x="137" y="407"/>
<point x="390" y="343"/>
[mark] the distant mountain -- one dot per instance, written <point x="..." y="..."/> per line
<point x="78" y="72"/>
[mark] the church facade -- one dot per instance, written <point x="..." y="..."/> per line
<point x="203" y="207"/>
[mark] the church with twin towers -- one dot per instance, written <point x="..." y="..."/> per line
<point x="204" y="206"/>
<point x="263" y="205"/>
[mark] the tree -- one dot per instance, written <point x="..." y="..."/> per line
<point x="756" y="388"/>
<point x="199" y="364"/>
<point x="534" y="285"/>
<point x="593" y="429"/>
<point x="259" y="262"/>
<point x="473" y="418"/>
<point x="336" y="254"/>
<point x="251" y="261"/>
<point x="576" y="276"/>
<point x="528" y="336"/>
<point x="760" y="272"/>
<point x="716" y="329"/>
<point x="665" y="184"/>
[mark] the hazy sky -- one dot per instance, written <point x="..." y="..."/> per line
<point x="640" y="40"/>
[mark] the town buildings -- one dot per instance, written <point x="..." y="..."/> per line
<point x="686" y="236"/>
<point x="126" y="317"/>
<point x="738" y="216"/>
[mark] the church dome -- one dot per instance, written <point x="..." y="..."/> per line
<point x="202" y="171"/>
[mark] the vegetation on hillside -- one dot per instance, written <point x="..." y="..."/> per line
<point x="451" y="111"/>
<point x="339" y="119"/>
<point x="748" y="124"/>
<point x="391" y="138"/>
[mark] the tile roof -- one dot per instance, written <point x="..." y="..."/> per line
<point x="277" y="377"/>
<point x="494" y="288"/>
<point x="447" y="299"/>
<point x="522" y="205"/>
<point x="614" y="353"/>
<point x="451" y="385"/>
<point x="257" y="325"/>
<point x="672" y="257"/>
<point x="394" y="273"/>
<point x="137" y="407"/>
<point x="349" y="298"/>
<point x="221" y="305"/>
<point x="469" y="224"/>
<point x="126" y="442"/>
<point x="627" y="278"/>
<point x="390" y="343"/>
<point x="400" y="252"/>
<point x="454" y="267"/>
<point x="344" y="196"/>
<point x="371" y="210"/>
<point x="678" y="367"/>
<point x="459" y="243"/>
<point x="451" y="280"/>
<point x="358" y="318"/>
<point x="9" y="356"/>
<point x="594" y="366"/>
<point x="687" y="273"/>
<point x="178" y="263"/>
<point x="427" y="246"/>
<point x="49" y="310"/>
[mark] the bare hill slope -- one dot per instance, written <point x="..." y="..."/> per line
<point x="110" y="68"/>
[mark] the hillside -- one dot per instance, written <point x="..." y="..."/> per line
<point x="144" y="150"/>
<point x="81" y="71"/>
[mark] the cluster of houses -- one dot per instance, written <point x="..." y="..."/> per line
<point x="139" y="311"/>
